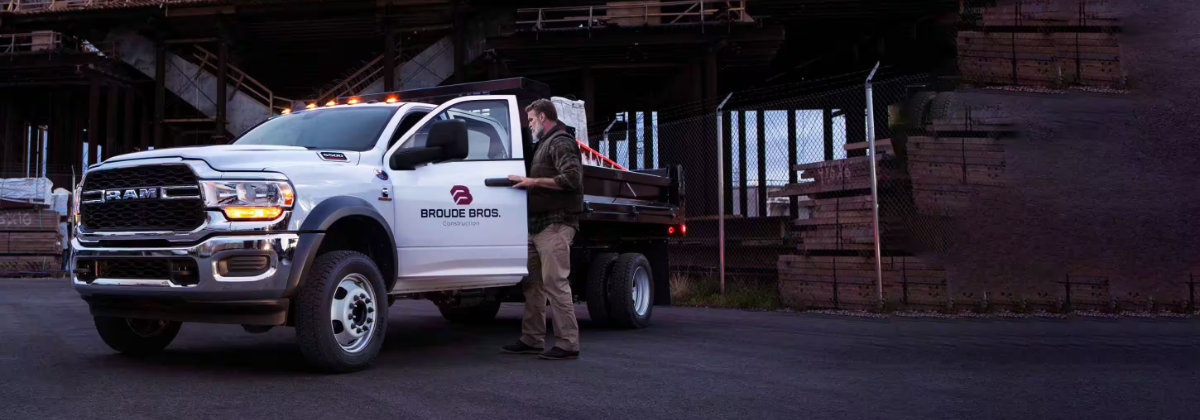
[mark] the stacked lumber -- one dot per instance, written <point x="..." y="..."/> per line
<point x="1048" y="14"/>
<point x="30" y="242"/>
<point x="957" y="159"/>
<point x="1043" y="43"/>
<point x="850" y="281"/>
<point x="839" y="201"/>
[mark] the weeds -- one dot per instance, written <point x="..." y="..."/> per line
<point x="689" y="289"/>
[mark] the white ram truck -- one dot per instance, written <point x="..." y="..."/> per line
<point x="321" y="218"/>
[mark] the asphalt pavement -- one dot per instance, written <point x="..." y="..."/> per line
<point x="691" y="363"/>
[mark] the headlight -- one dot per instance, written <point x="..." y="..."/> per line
<point x="249" y="200"/>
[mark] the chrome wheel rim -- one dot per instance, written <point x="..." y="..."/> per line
<point x="352" y="312"/>
<point x="641" y="291"/>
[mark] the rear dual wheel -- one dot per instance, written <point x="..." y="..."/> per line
<point x="620" y="290"/>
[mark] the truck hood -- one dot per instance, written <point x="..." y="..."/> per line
<point x="245" y="157"/>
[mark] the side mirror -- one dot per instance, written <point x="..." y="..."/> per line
<point x="408" y="159"/>
<point x="451" y="137"/>
<point x="447" y="141"/>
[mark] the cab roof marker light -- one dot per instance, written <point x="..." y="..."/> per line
<point x="285" y="111"/>
<point x="352" y="101"/>
<point x="391" y="99"/>
<point x="331" y="103"/>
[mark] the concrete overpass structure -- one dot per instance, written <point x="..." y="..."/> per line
<point x="120" y="75"/>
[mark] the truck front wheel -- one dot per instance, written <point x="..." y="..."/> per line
<point x="341" y="312"/>
<point x="136" y="336"/>
<point x="630" y="292"/>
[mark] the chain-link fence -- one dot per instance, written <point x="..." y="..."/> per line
<point x="785" y="164"/>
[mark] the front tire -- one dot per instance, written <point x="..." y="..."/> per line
<point x="137" y="337"/>
<point x="630" y="292"/>
<point x="341" y="315"/>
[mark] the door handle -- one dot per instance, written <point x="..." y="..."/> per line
<point x="499" y="182"/>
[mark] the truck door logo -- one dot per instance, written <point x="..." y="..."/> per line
<point x="461" y="195"/>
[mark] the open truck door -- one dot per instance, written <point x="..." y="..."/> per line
<point x="459" y="222"/>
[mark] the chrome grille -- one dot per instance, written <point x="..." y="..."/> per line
<point x="167" y="199"/>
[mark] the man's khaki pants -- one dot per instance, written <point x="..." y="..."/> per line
<point x="549" y="267"/>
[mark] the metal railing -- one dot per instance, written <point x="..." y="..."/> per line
<point x="649" y="13"/>
<point x="358" y="80"/>
<point x="49" y="42"/>
<point x="56" y="5"/>
<point x="240" y="81"/>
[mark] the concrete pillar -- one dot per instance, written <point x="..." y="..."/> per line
<point x="389" y="57"/>
<point x="631" y="138"/>
<point x="648" y="161"/>
<point x="460" y="43"/>
<point x="222" y="84"/>
<point x="856" y="120"/>
<point x="128" y="140"/>
<point x="827" y="129"/>
<point x="112" y="124"/>
<point x="160" y="90"/>
<point x="761" y="191"/>
<point x="93" y="131"/>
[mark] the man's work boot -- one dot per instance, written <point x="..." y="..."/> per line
<point x="520" y="348"/>
<point x="558" y="354"/>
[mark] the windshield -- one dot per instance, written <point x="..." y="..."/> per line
<point x="348" y="128"/>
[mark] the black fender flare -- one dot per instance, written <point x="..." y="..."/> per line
<point x="312" y="232"/>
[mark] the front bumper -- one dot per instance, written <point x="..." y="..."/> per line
<point x="260" y="299"/>
<point x="279" y="248"/>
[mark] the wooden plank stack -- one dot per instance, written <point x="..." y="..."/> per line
<point x="30" y="243"/>
<point x="957" y="158"/>
<point x="836" y="267"/>
<point x="850" y="282"/>
<point x="1043" y="43"/>
<point x="839" y="194"/>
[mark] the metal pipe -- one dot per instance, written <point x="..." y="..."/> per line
<point x="874" y="186"/>
<point x="45" y="145"/>
<point x="28" y="147"/>
<point x="721" y="191"/>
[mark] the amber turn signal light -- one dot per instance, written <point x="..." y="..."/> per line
<point x="252" y="213"/>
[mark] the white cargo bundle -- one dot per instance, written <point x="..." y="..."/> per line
<point x="573" y="114"/>
<point x="26" y="190"/>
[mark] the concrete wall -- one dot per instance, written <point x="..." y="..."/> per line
<point x="196" y="87"/>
